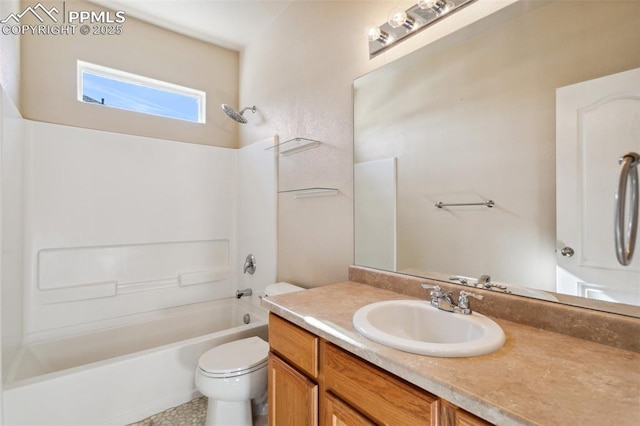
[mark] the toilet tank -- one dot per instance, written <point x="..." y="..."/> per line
<point x="281" y="288"/>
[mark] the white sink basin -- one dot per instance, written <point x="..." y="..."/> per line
<point x="417" y="327"/>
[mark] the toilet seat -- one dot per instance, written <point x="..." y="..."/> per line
<point x="234" y="358"/>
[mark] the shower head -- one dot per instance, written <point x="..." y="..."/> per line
<point x="239" y="117"/>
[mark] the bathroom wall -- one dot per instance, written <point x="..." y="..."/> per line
<point x="48" y="74"/>
<point x="118" y="224"/>
<point x="11" y="233"/>
<point x="256" y="214"/>
<point x="300" y="76"/>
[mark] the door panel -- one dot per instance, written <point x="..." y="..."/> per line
<point x="598" y="121"/>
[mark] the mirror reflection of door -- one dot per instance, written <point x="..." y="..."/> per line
<point x="598" y="121"/>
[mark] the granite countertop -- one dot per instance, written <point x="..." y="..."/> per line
<point x="538" y="377"/>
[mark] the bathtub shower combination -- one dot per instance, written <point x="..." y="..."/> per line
<point x="132" y="250"/>
<point x="121" y="374"/>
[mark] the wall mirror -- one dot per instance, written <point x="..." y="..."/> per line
<point x="523" y="115"/>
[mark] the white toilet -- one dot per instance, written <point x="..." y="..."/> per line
<point x="233" y="374"/>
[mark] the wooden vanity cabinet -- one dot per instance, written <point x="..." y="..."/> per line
<point x="293" y="374"/>
<point x="312" y="382"/>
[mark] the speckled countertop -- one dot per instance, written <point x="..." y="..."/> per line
<point x="538" y="377"/>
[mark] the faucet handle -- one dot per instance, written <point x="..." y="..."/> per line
<point x="463" y="299"/>
<point x="430" y="286"/>
<point x="435" y="293"/>
<point x="436" y="290"/>
<point x="465" y="294"/>
<point x="498" y="286"/>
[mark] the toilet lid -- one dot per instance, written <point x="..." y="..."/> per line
<point x="235" y="357"/>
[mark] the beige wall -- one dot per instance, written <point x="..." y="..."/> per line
<point x="299" y="75"/>
<point x="10" y="55"/>
<point x="48" y="87"/>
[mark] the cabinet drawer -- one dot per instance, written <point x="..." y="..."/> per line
<point x="377" y="394"/>
<point x="297" y="346"/>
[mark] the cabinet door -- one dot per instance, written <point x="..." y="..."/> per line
<point x="293" y="398"/>
<point x="467" y="419"/>
<point x="450" y="415"/>
<point x="339" y="413"/>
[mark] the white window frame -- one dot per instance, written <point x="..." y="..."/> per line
<point x="126" y="77"/>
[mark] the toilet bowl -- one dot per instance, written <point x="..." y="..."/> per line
<point x="235" y="373"/>
<point x="230" y="376"/>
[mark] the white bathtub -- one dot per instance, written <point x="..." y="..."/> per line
<point x="124" y="373"/>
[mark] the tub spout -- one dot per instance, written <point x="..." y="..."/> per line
<point x="245" y="292"/>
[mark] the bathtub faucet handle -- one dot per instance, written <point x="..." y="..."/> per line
<point x="245" y="292"/>
<point x="249" y="265"/>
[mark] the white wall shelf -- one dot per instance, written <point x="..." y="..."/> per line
<point x="295" y="145"/>
<point x="310" y="192"/>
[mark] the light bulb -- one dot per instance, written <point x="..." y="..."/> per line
<point x="439" y="6"/>
<point x="425" y="4"/>
<point x="397" y="17"/>
<point x="374" y="33"/>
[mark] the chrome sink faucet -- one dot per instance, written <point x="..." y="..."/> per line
<point x="443" y="300"/>
<point x="440" y="299"/>
<point x="485" y="282"/>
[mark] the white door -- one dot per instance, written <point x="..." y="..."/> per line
<point x="597" y="122"/>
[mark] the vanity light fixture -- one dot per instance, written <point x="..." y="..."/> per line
<point x="438" y="6"/>
<point x="399" y="18"/>
<point x="376" y="34"/>
<point x="403" y="23"/>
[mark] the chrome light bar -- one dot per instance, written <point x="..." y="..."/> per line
<point x="402" y="24"/>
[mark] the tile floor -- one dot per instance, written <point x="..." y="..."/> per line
<point x="193" y="413"/>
